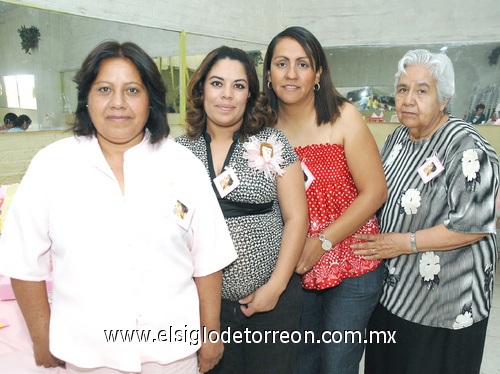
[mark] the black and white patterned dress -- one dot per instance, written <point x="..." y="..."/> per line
<point x="256" y="237"/>
<point x="448" y="289"/>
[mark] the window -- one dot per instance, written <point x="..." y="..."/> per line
<point x="20" y="91"/>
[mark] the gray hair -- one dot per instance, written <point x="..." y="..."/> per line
<point x="439" y="66"/>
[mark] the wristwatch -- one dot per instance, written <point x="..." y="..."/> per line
<point x="325" y="243"/>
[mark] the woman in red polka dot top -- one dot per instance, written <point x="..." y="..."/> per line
<point x="345" y="186"/>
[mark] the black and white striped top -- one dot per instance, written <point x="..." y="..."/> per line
<point x="449" y="289"/>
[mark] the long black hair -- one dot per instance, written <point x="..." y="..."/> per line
<point x="327" y="100"/>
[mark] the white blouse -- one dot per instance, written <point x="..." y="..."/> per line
<point x="120" y="262"/>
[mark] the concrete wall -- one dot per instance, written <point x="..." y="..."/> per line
<point x="237" y="20"/>
<point x="389" y="22"/>
<point x="336" y="23"/>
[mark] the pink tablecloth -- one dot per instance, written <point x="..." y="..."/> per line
<point x="16" y="350"/>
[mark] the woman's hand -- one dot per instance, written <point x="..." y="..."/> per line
<point x="210" y="294"/>
<point x="436" y="238"/>
<point x="34" y="304"/>
<point x="376" y="247"/>
<point x="263" y="299"/>
<point x="310" y="255"/>
<point x="209" y="355"/>
<point x="43" y="357"/>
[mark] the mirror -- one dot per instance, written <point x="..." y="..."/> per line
<point x="371" y="69"/>
<point x="66" y="40"/>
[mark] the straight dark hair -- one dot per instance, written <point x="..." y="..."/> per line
<point x="327" y="100"/>
<point x="151" y="78"/>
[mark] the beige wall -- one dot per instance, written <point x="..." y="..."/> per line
<point x="17" y="149"/>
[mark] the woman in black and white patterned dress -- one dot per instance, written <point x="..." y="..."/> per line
<point x="438" y="230"/>
<point x="260" y="186"/>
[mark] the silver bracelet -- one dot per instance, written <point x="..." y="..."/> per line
<point x="413" y="242"/>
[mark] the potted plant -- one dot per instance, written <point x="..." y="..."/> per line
<point x="29" y="38"/>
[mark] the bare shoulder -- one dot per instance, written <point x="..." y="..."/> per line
<point x="350" y="113"/>
<point x="350" y="120"/>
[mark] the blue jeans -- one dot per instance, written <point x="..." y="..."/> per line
<point x="346" y="307"/>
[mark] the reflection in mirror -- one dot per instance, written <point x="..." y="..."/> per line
<point x="67" y="39"/>
<point x="197" y="47"/>
<point x="64" y="43"/>
<point x="372" y="69"/>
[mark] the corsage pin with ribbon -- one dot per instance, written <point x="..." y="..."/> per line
<point x="264" y="156"/>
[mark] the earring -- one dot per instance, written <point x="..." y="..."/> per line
<point x="316" y="86"/>
<point x="269" y="85"/>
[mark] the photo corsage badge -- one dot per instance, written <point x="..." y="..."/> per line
<point x="182" y="213"/>
<point x="226" y="181"/>
<point x="265" y="156"/>
<point x="431" y="168"/>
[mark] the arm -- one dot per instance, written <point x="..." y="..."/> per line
<point x="394" y="244"/>
<point x="470" y="213"/>
<point x="293" y="204"/>
<point x="34" y="305"/>
<point x="365" y="166"/>
<point x="210" y="295"/>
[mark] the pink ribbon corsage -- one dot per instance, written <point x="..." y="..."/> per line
<point x="264" y="156"/>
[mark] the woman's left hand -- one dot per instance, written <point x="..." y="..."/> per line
<point x="310" y="255"/>
<point x="263" y="299"/>
<point x="388" y="245"/>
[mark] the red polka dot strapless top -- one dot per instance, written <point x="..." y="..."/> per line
<point x="330" y="193"/>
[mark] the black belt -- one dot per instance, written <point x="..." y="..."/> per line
<point x="232" y="209"/>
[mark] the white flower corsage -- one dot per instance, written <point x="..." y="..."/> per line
<point x="264" y="156"/>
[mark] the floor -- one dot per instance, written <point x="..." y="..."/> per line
<point x="491" y="357"/>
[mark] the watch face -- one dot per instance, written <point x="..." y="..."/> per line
<point x="326" y="245"/>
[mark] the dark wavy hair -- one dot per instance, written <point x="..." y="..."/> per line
<point x="480" y="106"/>
<point x="258" y="114"/>
<point x="151" y="78"/>
<point x="327" y="100"/>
